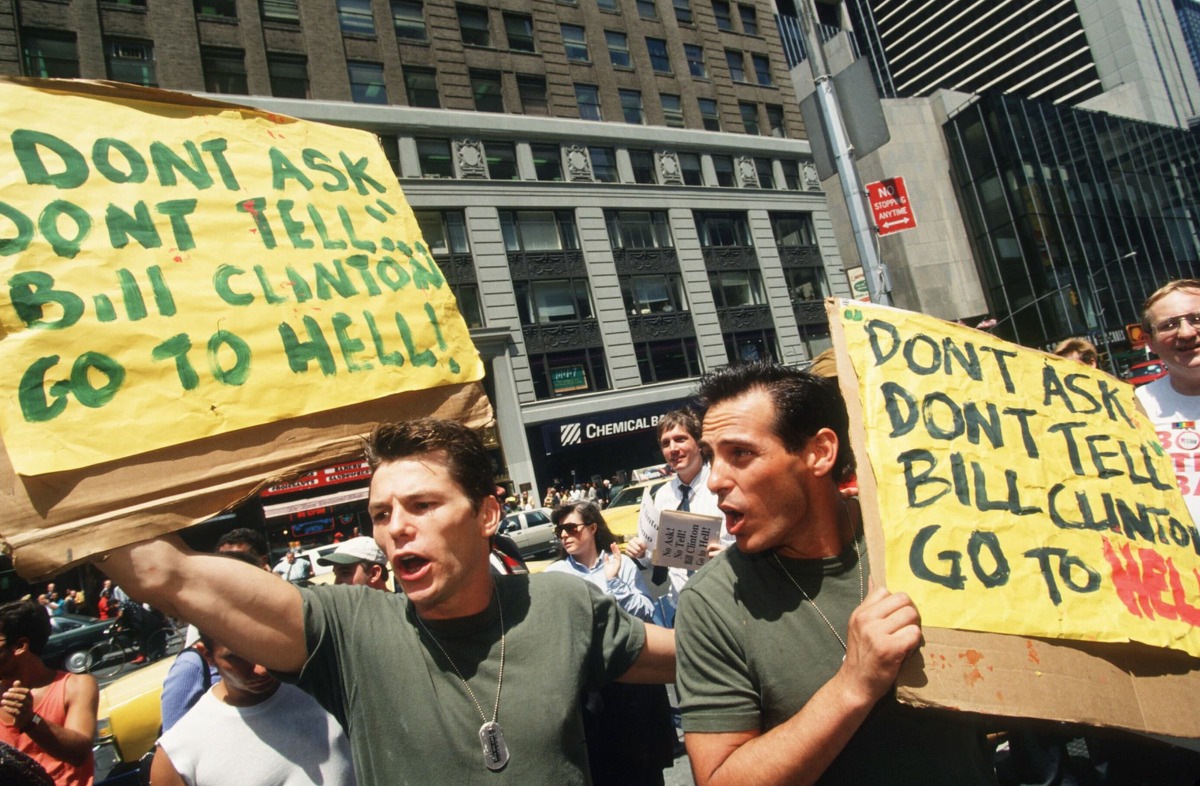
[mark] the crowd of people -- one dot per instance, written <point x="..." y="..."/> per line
<point x="783" y="650"/>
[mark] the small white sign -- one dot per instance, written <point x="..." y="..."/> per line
<point x="683" y="539"/>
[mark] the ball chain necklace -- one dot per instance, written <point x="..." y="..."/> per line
<point x="862" y="590"/>
<point x="491" y="735"/>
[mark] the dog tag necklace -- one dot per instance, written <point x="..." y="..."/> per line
<point x="491" y="735"/>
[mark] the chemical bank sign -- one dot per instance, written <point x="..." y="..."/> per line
<point x="580" y="431"/>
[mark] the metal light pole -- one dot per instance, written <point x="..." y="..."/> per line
<point x="835" y="130"/>
<point x="1099" y="308"/>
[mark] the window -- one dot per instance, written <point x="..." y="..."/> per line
<point x="560" y="373"/>
<point x="575" y="42"/>
<point x="473" y="24"/>
<point x="683" y="11"/>
<point x="793" y="230"/>
<point x="733" y="288"/>
<point x="50" y="54"/>
<point x="391" y="150"/>
<point x="749" y="19"/>
<point x="618" y="48"/>
<point x="445" y="233"/>
<point x="224" y="71"/>
<point x="724" y="169"/>
<point x="749" y="116"/>
<point x="281" y="12"/>
<point x="638" y="229"/>
<point x="608" y="5"/>
<point x="421" y="86"/>
<point x="434" y="157"/>
<point x="547" y="162"/>
<point x="672" y="110"/>
<point x="130" y="61"/>
<point x="719" y="229"/>
<point x="659" y="59"/>
<point x="366" y="83"/>
<point x="502" y="160"/>
<point x="775" y="120"/>
<point x="289" y="75"/>
<point x="737" y="65"/>
<point x="750" y="345"/>
<point x="604" y="164"/>
<point x="631" y="106"/>
<point x="469" y="306"/>
<point x="652" y="294"/>
<point x="553" y="300"/>
<point x="354" y="16"/>
<point x="722" y="12"/>
<point x="519" y="29"/>
<point x="408" y="18"/>
<point x="485" y="87"/>
<point x="587" y="97"/>
<point x="708" y="114"/>
<point x="642" y="162"/>
<point x="538" y="230"/>
<point x="766" y="174"/>
<point x="805" y="283"/>
<point x="219" y="8"/>
<point x="695" y="61"/>
<point x="532" y="91"/>
<point x="689" y="167"/>
<point x="791" y="174"/>
<point x="646" y="9"/>
<point x="762" y="69"/>
<point x="663" y="361"/>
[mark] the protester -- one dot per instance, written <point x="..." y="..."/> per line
<point x="1079" y="349"/>
<point x="678" y="438"/>
<point x="248" y="540"/>
<point x="48" y="715"/>
<point x="630" y="737"/>
<point x="358" y="562"/>
<point x="251" y="730"/>
<point x="787" y="657"/>
<point x="408" y="675"/>
<point x="1171" y="319"/>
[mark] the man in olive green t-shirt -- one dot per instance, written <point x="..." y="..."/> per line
<point x="786" y="655"/>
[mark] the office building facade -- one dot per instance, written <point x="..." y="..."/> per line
<point x="619" y="191"/>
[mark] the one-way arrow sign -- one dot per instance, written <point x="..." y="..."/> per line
<point x="890" y="206"/>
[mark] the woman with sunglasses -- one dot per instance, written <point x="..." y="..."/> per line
<point x="630" y="737"/>
<point x="593" y="554"/>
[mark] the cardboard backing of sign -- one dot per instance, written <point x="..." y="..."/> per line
<point x="56" y="520"/>
<point x="1127" y="686"/>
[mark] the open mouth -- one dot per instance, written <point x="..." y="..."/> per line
<point x="410" y="567"/>
<point x="733" y="520"/>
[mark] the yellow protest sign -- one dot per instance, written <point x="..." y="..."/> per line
<point x="1019" y="493"/>
<point x="175" y="271"/>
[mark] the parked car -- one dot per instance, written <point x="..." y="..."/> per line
<point x="72" y="637"/>
<point x="621" y="515"/>
<point x="1145" y="372"/>
<point x="532" y="531"/>
<point x="129" y="719"/>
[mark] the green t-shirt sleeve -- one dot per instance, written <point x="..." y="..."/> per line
<point x="322" y="675"/>
<point x="617" y="639"/>
<point x="716" y="690"/>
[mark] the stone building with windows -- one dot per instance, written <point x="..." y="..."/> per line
<point x="619" y="191"/>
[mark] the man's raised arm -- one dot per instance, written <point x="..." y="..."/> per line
<point x="252" y="611"/>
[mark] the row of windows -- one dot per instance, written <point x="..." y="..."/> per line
<point x="500" y="162"/>
<point x="576" y="46"/>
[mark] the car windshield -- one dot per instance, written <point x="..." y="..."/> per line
<point x="631" y="496"/>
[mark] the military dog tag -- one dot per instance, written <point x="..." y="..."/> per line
<point x="495" y="750"/>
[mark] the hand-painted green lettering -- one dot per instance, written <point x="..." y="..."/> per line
<point x="315" y="159"/>
<point x="283" y="170"/>
<point x="24" y="235"/>
<point x="135" y="169"/>
<point x="48" y="221"/>
<point x="224" y="291"/>
<point x="30" y="291"/>
<point x="28" y="146"/>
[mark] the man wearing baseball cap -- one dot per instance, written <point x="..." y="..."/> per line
<point x="358" y="561"/>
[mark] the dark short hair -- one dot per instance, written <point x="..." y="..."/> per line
<point x="590" y="513"/>
<point x="1162" y="292"/>
<point x="244" y="536"/>
<point x="25" y="619"/>
<point x="685" y="418"/>
<point x="804" y="404"/>
<point x="467" y="459"/>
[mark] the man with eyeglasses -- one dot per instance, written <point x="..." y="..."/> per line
<point x="1171" y="319"/>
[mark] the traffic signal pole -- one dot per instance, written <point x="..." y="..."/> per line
<point x="835" y="131"/>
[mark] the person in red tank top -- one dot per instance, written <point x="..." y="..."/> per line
<point x="48" y="715"/>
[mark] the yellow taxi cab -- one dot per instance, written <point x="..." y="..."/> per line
<point x="621" y="515"/>
<point x="129" y="717"/>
